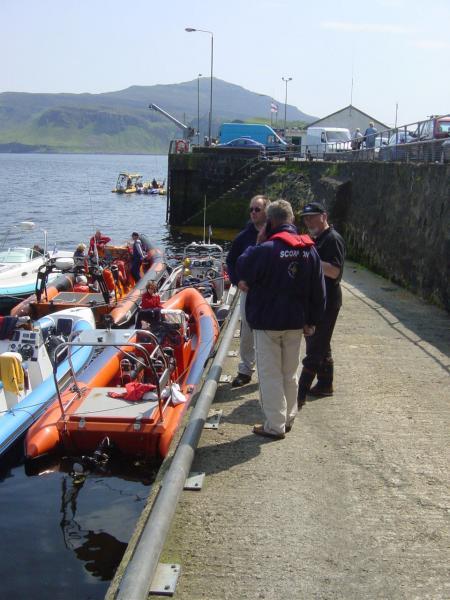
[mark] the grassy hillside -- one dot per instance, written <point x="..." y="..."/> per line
<point x="120" y="122"/>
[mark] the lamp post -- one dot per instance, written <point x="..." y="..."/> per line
<point x="198" y="109"/>
<point x="191" y="30"/>
<point x="286" y="80"/>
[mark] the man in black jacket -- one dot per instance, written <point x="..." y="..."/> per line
<point x="247" y="237"/>
<point x="318" y="360"/>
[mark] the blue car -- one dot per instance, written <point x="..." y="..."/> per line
<point x="244" y="142"/>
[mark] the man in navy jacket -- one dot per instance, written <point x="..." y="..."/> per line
<point x="246" y="238"/>
<point x="286" y="296"/>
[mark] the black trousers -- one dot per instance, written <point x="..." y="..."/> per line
<point x="318" y="348"/>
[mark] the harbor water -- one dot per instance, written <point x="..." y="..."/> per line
<point x="64" y="527"/>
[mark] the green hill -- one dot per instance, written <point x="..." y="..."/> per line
<point x="120" y="122"/>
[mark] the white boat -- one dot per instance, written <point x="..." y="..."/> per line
<point x="28" y="359"/>
<point x="19" y="266"/>
<point x="202" y="267"/>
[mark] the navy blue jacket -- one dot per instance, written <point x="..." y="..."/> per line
<point x="285" y="277"/>
<point x="244" y="239"/>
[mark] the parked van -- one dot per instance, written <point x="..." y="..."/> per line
<point x="322" y="140"/>
<point x="264" y="134"/>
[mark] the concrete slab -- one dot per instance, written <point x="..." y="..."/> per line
<point x="354" y="503"/>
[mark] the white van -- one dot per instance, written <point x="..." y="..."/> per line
<point x="322" y="140"/>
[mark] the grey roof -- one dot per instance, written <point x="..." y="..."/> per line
<point x="345" y="108"/>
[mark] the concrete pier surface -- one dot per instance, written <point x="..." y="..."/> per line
<point x="354" y="503"/>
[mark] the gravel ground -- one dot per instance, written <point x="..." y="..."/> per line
<point x="354" y="503"/>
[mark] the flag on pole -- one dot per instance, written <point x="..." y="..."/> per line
<point x="274" y="107"/>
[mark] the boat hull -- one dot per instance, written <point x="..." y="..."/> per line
<point x="135" y="429"/>
<point x="15" y="421"/>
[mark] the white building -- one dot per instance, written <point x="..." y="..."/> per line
<point x="349" y="117"/>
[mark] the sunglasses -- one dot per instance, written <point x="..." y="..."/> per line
<point x="255" y="209"/>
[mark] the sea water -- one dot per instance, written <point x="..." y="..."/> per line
<point x="65" y="529"/>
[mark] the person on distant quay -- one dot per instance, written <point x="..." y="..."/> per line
<point x="286" y="296"/>
<point x="138" y="256"/>
<point x="155" y="185"/>
<point x="357" y="139"/>
<point x="247" y="237"/>
<point x="98" y="241"/>
<point x="369" y="136"/>
<point x="318" y="360"/>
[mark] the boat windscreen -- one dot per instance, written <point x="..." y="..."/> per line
<point x="15" y="255"/>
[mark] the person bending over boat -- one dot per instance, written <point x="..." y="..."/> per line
<point x="98" y="241"/>
<point x="247" y="237"/>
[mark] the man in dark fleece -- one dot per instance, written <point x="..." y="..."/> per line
<point x="318" y="360"/>
<point x="247" y="237"/>
<point x="286" y="295"/>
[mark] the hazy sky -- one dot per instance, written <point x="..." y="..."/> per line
<point x="398" y="50"/>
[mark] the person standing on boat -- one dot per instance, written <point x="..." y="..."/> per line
<point x="286" y="296"/>
<point x="247" y="237"/>
<point x="318" y="360"/>
<point x="138" y="256"/>
<point x="79" y="257"/>
<point x="97" y="241"/>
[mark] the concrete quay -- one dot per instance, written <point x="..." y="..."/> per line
<point x="354" y="503"/>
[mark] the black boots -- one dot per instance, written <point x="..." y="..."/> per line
<point x="324" y="385"/>
<point x="304" y="384"/>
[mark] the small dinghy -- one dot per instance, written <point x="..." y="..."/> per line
<point x="135" y="392"/>
<point x="29" y="366"/>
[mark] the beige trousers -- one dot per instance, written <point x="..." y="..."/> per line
<point x="277" y="361"/>
<point x="247" y="344"/>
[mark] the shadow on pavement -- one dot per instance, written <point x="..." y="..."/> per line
<point x="221" y="457"/>
<point x="411" y="317"/>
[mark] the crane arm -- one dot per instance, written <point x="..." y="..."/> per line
<point x="189" y="131"/>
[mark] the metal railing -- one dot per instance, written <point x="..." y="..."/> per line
<point x="421" y="141"/>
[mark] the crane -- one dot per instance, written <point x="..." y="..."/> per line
<point x="189" y="132"/>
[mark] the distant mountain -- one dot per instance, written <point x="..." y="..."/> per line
<point x="120" y="122"/>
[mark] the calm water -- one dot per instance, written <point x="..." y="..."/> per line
<point x="63" y="536"/>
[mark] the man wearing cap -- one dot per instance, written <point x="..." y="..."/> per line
<point x="247" y="237"/>
<point x="318" y="360"/>
<point x="286" y="296"/>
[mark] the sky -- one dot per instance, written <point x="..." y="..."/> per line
<point x="395" y="51"/>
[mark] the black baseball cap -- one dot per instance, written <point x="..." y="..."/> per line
<point x="313" y="208"/>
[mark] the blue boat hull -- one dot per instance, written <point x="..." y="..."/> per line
<point x="17" y="420"/>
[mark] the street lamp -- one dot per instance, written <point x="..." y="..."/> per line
<point x="198" y="109"/>
<point x="191" y="30"/>
<point x="286" y="80"/>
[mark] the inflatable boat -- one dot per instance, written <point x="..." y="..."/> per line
<point x="106" y="286"/>
<point x="134" y="394"/>
<point x="29" y="366"/>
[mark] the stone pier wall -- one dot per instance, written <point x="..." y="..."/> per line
<point x="395" y="217"/>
